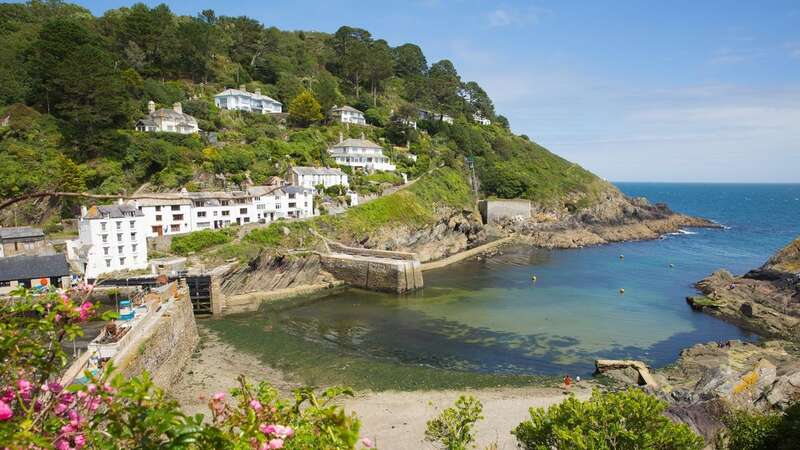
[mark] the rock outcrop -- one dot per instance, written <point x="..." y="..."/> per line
<point x="269" y="272"/>
<point x="616" y="218"/>
<point x="765" y="300"/>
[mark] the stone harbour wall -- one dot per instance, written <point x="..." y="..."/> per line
<point x="378" y="274"/>
<point x="165" y="348"/>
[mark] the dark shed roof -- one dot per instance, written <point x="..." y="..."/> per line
<point x="30" y="267"/>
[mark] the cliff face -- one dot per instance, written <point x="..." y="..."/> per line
<point x="765" y="300"/>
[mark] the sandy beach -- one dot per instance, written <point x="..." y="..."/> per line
<point x="393" y="419"/>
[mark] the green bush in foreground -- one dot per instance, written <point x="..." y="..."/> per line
<point x="198" y="240"/>
<point x="453" y="428"/>
<point x="625" y="420"/>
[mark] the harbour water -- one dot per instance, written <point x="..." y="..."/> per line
<point x="487" y="323"/>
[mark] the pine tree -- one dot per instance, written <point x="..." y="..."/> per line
<point x="305" y="109"/>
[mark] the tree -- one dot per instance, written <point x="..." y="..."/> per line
<point x="326" y="89"/>
<point x="445" y="85"/>
<point x="478" y="100"/>
<point x="626" y="420"/>
<point x="381" y="66"/>
<point x="409" y="61"/>
<point x="453" y="428"/>
<point x="351" y="47"/>
<point x="305" y="109"/>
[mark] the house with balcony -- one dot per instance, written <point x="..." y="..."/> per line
<point x="167" y="120"/>
<point x="241" y="100"/>
<point x="347" y="114"/>
<point x="361" y="154"/>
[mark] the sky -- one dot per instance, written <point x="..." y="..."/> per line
<point x="701" y="91"/>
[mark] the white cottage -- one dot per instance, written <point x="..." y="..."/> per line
<point x="362" y="154"/>
<point x="480" y="119"/>
<point x="347" y="114"/>
<point x="241" y="100"/>
<point x="111" y="238"/>
<point x="311" y="177"/>
<point x="167" y="120"/>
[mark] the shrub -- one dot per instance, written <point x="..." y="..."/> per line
<point x="453" y="428"/>
<point x="753" y="431"/>
<point x="624" y="420"/>
<point x="198" y="240"/>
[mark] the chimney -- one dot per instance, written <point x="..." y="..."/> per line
<point x="341" y="137"/>
<point x="177" y="107"/>
<point x="258" y="91"/>
<point x="243" y="87"/>
<point x="151" y="106"/>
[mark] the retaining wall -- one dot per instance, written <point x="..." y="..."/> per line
<point x="377" y="274"/>
<point x="493" y="210"/>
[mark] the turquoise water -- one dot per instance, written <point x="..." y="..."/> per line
<point x="487" y="317"/>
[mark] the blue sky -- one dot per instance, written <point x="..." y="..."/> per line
<point x="632" y="90"/>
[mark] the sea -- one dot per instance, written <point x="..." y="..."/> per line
<point x="486" y="322"/>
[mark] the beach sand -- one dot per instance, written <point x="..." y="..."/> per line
<point x="392" y="419"/>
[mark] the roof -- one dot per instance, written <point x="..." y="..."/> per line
<point x="167" y="199"/>
<point x="171" y="114"/>
<point x="253" y="95"/>
<point x="29" y="267"/>
<point x="113" y="211"/>
<point x="345" y="108"/>
<point x="147" y="122"/>
<point x="20" y="233"/>
<point x="365" y="143"/>
<point x="295" y="189"/>
<point x="317" y="171"/>
<point x="258" y="191"/>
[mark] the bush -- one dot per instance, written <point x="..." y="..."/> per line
<point x="453" y="428"/>
<point x="624" y="420"/>
<point x="198" y="240"/>
<point x="752" y="431"/>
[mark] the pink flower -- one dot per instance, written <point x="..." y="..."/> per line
<point x="278" y="431"/>
<point x="5" y="411"/>
<point x="256" y="405"/>
<point x="276" y="443"/>
<point x="8" y="395"/>
<point x="218" y="397"/>
<point x="55" y="388"/>
<point x="80" y="441"/>
<point x="367" y="442"/>
<point x="266" y="429"/>
<point x="24" y="386"/>
<point x="62" y="444"/>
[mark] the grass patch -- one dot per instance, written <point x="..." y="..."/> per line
<point x="195" y="241"/>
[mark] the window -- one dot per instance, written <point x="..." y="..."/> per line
<point x="122" y="261"/>
<point x="175" y="207"/>
<point x="105" y="250"/>
<point x="203" y="224"/>
<point x="215" y="213"/>
<point x="156" y="229"/>
<point x="226" y="213"/>
<point x="133" y="236"/>
<point x="105" y="237"/>
<point x="246" y="220"/>
<point x="242" y="210"/>
<point x="201" y="213"/>
<point x="177" y="217"/>
<point x="103" y="226"/>
<point x="133" y="224"/>
<point x="224" y="203"/>
<point x="133" y="248"/>
<point x="258" y="199"/>
<point x="291" y="196"/>
<point x="119" y="236"/>
<point x="120" y="249"/>
<point x="158" y="209"/>
<point x="176" y="227"/>
<point x="108" y="263"/>
<point x="119" y="225"/>
<point x="261" y="207"/>
<point x="277" y="206"/>
<point x="292" y="205"/>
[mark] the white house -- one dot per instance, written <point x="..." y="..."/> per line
<point x="241" y="100"/>
<point x="311" y="177"/>
<point x="362" y="154"/>
<point x="111" y="238"/>
<point x="432" y="116"/>
<point x="480" y="119"/>
<point x="347" y="114"/>
<point x="167" y="120"/>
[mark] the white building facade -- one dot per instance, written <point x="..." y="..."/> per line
<point x="311" y="177"/>
<point x="481" y="120"/>
<point x="112" y="238"/>
<point x="241" y="100"/>
<point x="347" y="114"/>
<point x="167" y="120"/>
<point x="361" y="154"/>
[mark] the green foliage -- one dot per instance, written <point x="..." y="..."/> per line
<point x="453" y="428"/>
<point x="755" y="431"/>
<point x="184" y="244"/>
<point x="282" y="234"/>
<point x="305" y="109"/>
<point x="625" y="420"/>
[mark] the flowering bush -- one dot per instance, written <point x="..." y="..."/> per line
<point x="110" y="412"/>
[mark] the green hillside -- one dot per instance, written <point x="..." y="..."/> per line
<point x="72" y="87"/>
